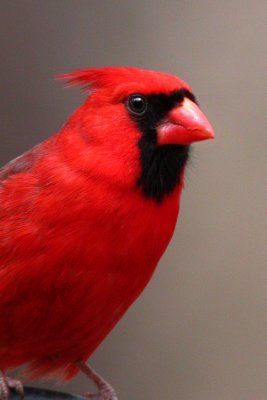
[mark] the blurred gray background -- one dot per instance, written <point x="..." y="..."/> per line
<point x="199" y="331"/>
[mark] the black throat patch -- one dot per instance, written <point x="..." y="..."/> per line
<point x="162" y="166"/>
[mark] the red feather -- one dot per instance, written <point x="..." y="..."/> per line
<point x="78" y="239"/>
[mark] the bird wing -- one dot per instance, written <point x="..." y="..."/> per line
<point x="20" y="164"/>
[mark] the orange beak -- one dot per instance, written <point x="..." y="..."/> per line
<point x="184" y="124"/>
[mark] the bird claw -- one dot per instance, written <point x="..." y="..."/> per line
<point x="105" y="390"/>
<point x="106" y="393"/>
<point x="7" y="384"/>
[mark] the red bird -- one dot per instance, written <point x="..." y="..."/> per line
<point x="86" y="215"/>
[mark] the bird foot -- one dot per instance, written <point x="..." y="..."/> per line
<point x="105" y="390"/>
<point x="105" y="393"/>
<point x="7" y="384"/>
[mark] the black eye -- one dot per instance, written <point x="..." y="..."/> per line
<point x="137" y="104"/>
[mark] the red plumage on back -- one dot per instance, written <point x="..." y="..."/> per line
<point x="86" y="215"/>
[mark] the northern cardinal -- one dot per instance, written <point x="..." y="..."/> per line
<point x="86" y="215"/>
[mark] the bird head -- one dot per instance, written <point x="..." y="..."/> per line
<point x="142" y="123"/>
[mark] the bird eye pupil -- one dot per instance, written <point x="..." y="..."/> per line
<point x="137" y="104"/>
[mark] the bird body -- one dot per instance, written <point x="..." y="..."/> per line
<point x="85" y="217"/>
